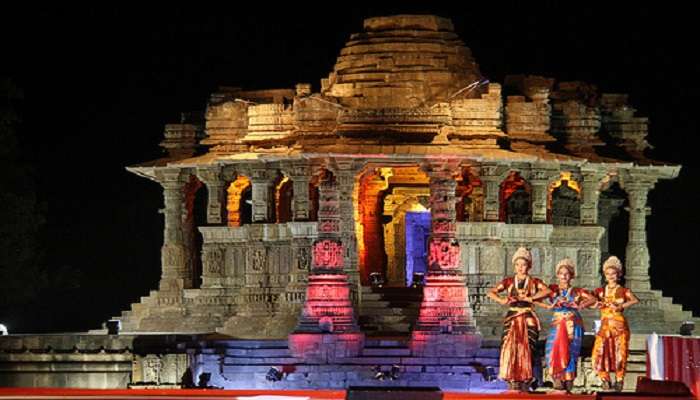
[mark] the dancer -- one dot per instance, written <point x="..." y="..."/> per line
<point x="521" y="327"/>
<point x="566" y="330"/>
<point x="611" y="345"/>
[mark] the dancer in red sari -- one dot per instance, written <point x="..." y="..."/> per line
<point x="611" y="345"/>
<point x="566" y="330"/>
<point x="521" y="327"/>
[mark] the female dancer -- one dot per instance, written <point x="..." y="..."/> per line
<point x="521" y="327"/>
<point x="611" y="345"/>
<point x="566" y="330"/>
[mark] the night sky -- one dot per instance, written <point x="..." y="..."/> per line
<point x="99" y="84"/>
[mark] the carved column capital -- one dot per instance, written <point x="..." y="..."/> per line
<point x="300" y="172"/>
<point x="213" y="179"/>
<point x="435" y="168"/>
<point x="170" y="178"/>
<point x="591" y="181"/>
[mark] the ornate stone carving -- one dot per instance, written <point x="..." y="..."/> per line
<point x="444" y="254"/>
<point x="213" y="260"/>
<point x="328" y="254"/>
<point x="257" y="258"/>
<point x="302" y="258"/>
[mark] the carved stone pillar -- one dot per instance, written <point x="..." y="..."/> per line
<point x="637" y="252"/>
<point x="445" y="325"/>
<point x="173" y="252"/>
<point x="590" y="193"/>
<point x="300" y="174"/>
<point x="327" y="328"/>
<point x="216" y="194"/>
<point x="345" y="179"/>
<point x="492" y="175"/>
<point x="262" y="186"/>
<point x="539" y="180"/>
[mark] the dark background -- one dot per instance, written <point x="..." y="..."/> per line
<point x="98" y="85"/>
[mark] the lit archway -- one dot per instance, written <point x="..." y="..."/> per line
<point x="238" y="204"/>
<point x="564" y="201"/>
<point x="283" y="199"/>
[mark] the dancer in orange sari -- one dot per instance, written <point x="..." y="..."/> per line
<point x="521" y="328"/>
<point x="611" y="345"/>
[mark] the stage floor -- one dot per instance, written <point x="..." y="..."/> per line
<point x="199" y="394"/>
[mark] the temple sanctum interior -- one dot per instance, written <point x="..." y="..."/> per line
<point x="360" y="222"/>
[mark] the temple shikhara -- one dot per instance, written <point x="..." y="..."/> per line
<point x="357" y="224"/>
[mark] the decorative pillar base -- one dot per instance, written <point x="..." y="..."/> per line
<point x="326" y="348"/>
<point x="327" y="330"/>
<point x="445" y="325"/>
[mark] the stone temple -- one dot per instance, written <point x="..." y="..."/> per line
<point x="407" y="168"/>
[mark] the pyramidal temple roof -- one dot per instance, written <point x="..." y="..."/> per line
<point x="407" y="84"/>
<point x="405" y="61"/>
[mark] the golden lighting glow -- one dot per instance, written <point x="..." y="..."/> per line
<point x="278" y="198"/>
<point x="233" y="203"/>
<point x="386" y="173"/>
<point x="566" y="176"/>
<point x="415" y="207"/>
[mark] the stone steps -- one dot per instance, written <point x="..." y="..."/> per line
<point x="389" y="310"/>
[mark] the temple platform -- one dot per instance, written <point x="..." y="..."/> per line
<point x="203" y="394"/>
<point x="162" y="361"/>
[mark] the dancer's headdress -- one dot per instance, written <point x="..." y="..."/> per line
<point x="524" y="254"/>
<point x="614" y="263"/>
<point x="568" y="264"/>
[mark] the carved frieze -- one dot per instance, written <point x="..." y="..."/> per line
<point x="328" y="253"/>
<point x="213" y="260"/>
<point x="257" y="258"/>
<point x="444" y="254"/>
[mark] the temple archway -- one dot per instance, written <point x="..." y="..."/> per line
<point x="383" y="191"/>
<point x="239" y="207"/>
<point x="283" y="187"/>
<point x="564" y="202"/>
<point x="515" y="200"/>
<point x="615" y="219"/>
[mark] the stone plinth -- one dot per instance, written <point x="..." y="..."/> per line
<point x="427" y="344"/>
<point x="327" y="347"/>
<point x="445" y="324"/>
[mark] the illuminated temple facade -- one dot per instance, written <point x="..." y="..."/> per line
<point x="407" y="164"/>
<point x="284" y="209"/>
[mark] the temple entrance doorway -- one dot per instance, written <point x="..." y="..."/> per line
<point x="417" y="235"/>
<point x="407" y="215"/>
<point x="385" y="194"/>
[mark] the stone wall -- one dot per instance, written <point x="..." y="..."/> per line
<point x="253" y="284"/>
<point x="62" y="360"/>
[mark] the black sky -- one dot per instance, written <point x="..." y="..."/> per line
<point x="100" y="83"/>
